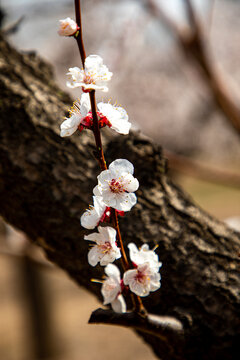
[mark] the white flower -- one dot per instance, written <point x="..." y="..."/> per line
<point x="78" y="117"/>
<point x="93" y="77"/>
<point x="145" y="277"/>
<point x="142" y="280"/>
<point x="105" y="251"/>
<point x="67" y="27"/>
<point x="144" y="255"/>
<point x="91" y="218"/>
<point x="81" y="117"/>
<point x="117" y="184"/>
<point x="111" y="289"/>
<point x="117" y="116"/>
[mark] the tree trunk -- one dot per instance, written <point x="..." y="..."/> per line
<point x="46" y="183"/>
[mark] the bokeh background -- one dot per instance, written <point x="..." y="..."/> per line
<point x="44" y="316"/>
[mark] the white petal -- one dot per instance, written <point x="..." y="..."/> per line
<point x="125" y="201"/>
<point x="93" y="256"/>
<point x="104" y="176"/>
<point x="70" y="125"/>
<point x="144" y="255"/>
<point x="119" y="305"/>
<point x="99" y="205"/>
<point x="105" y="109"/>
<point x="92" y="61"/>
<point x="133" y="253"/>
<point x="109" y="232"/>
<point x="155" y="283"/>
<point x="139" y="289"/>
<point x="120" y="166"/>
<point x="110" y="257"/>
<point x="131" y="184"/>
<point x="117" y="116"/>
<point x="85" y="105"/>
<point x="96" y="191"/>
<point x="110" y="290"/>
<point x="129" y="276"/>
<point x="112" y="270"/>
<point x="109" y="199"/>
<point x="121" y="127"/>
<point x="93" y="86"/>
<point x="76" y="77"/>
<point x="91" y="237"/>
<point x="90" y="219"/>
<point x="122" y="111"/>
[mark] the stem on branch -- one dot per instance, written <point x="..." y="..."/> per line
<point x="96" y="132"/>
<point x="79" y="36"/>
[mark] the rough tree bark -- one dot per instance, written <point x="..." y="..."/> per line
<point x="46" y="183"/>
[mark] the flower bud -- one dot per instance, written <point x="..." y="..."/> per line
<point x="68" y="27"/>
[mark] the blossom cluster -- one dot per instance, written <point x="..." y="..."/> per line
<point x="115" y="189"/>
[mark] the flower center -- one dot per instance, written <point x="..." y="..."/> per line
<point x="141" y="277"/>
<point x="116" y="186"/>
<point x="106" y="247"/>
<point x="90" y="77"/>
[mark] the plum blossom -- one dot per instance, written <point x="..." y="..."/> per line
<point x="97" y="213"/>
<point x="81" y="117"/>
<point x="117" y="184"/>
<point x="105" y="251"/>
<point x="78" y="118"/>
<point x="117" y="117"/>
<point x="112" y="288"/>
<point x="67" y="27"/>
<point x="142" y="280"/>
<point x="139" y="257"/>
<point x="93" y="77"/>
<point x="145" y="277"/>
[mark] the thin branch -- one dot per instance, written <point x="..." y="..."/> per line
<point x="163" y="327"/>
<point x="194" y="169"/>
<point x="158" y="12"/>
<point x="14" y="27"/>
<point x="194" y="47"/>
<point x="96" y="132"/>
<point x="137" y="302"/>
<point x="79" y="35"/>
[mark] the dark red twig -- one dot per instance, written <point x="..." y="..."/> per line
<point x="79" y="35"/>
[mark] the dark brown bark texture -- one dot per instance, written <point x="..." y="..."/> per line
<point x="46" y="183"/>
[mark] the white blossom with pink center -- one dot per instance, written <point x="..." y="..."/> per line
<point x="93" y="77"/>
<point x="117" y="184"/>
<point x="111" y="289"/>
<point x="105" y="251"/>
<point x="117" y="116"/>
<point x="78" y="114"/>
<point x="81" y="117"/>
<point x="145" y="277"/>
<point x="142" y="280"/>
<point x="67" y="27"/>
<point x="91" y="217"/>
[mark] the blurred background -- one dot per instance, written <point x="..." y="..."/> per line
<point x="43" y="314"/>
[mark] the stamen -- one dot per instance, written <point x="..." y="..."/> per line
<point x="155" y="247"/>
<point x="116" y="186"/>
<point x="75" y="109"/>
<point x="97" y="281"/>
